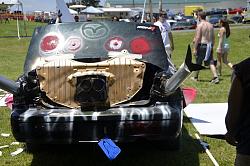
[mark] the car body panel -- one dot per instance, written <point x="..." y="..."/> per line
<point x="94" y="39"/>
<point x="125" y="124"/>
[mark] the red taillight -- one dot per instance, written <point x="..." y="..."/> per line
<point x="49" y="43"/>
<point x="140" y="46"/>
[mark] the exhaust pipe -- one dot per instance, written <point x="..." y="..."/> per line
<point x="9" y="85"/>
<point x="183" y="72"/>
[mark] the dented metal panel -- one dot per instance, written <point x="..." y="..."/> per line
<point x="95" y="40"/>
<point x="58" y="78"/>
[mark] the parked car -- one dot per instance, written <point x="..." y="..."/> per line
<point x="214" y="21"/>
<point x="187" y="18"/>
<point x="236" y="18"/>
<point x="216" y="12"/>
<point x="183" y="25"/>
<point x="217" y="16"/>
<point x="192" y="21"/>
<point x="89" y="80"/>
<point x="178" y="17"/>
<point x="235" y="11"/>
<point x="171" y="22"/>
<point x="231" y="21"/>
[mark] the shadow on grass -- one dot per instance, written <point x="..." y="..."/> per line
<point x="140" y="153"/>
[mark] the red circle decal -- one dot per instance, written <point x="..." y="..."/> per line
<point x="49" y="43"/>
<point x="140" y="46"/>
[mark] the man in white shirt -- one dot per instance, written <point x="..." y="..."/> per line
<point x="166" y="33"/>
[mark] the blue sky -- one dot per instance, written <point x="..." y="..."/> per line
<point x="43" y="5"/>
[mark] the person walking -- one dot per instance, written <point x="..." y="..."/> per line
<point x="223" y="45"/>
<point x="166" y="33"/>
<point x="238" y="115"/>
<point x="203" y="46"/>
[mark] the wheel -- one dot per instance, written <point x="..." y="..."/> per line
<point x="32" y="147"/>
<point x="29" y="147"/>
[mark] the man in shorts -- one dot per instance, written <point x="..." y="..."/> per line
<point x="203" y="46"/>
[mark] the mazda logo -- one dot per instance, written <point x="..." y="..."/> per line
<point x="94" y="30"/>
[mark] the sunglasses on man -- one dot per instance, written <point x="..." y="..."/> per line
<point x="164" y="16"/>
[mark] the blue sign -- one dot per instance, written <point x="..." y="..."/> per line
<point x="110" y="149"/>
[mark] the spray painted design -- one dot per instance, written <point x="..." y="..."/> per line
<point x="94" y="30"/>
<point x="115" y="44"/>
<point x="73" y="44"/>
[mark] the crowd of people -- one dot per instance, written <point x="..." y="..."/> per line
<point x="4" y="19"/>
<point x="203" y="44"/>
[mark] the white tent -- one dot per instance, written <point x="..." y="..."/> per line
<point x="77" y="6"/>
<point x="92" y="10"/>
<point x="72" y="11"/>
<point x="12" y="3"/>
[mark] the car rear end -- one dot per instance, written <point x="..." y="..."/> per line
<point x="86" y="81"/>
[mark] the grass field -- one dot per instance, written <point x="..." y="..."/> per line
<point x="12" y="54"/>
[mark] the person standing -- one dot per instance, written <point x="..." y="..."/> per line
<point x="76" y="18"/>
<point x="223" y="45"/>
<point x="203" y="46"/>
<point x="166" y="33"/>
<point x="238" y="115"/>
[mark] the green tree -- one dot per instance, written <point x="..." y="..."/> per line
<point x="90" y="2"/>
<point x="3" y="7"/>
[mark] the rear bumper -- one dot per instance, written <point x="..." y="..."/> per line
<point x="161" y="121"/>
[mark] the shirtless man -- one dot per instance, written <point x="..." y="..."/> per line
<point x="203" y="46"/>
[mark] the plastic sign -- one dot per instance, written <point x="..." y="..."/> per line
<point x="110" y="149"/>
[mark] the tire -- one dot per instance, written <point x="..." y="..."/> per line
<point x="32" y="147"/>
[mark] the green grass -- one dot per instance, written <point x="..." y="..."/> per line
<point x="12" y="54"/>
<point x="10" y="29"/>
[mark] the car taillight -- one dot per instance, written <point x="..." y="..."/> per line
<point x="49" y="43"/>
<point x="140" y="46"/>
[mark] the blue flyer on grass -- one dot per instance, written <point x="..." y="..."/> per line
<point x="110" y="149"/>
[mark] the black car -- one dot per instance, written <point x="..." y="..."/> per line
<point x="237" y="18"/>
<point x="88" y="80"/>
<point x="216" y="12"/>
<point x="183" y="25"/>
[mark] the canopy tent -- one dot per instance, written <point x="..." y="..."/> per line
<point x="92" y="10"/>
<point x="10" y="2"/>
<point x="72" y="11"/>
<point x="77" y="6"/>
<point x="18" y="3"/>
